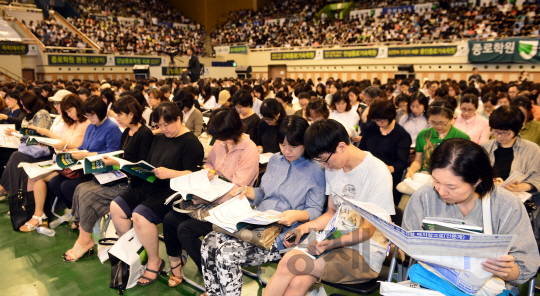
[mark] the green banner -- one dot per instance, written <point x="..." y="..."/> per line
<point x="17" y="49"/>
<point x="76" y="60"/>
<point x="174" y="71"/>
<point x="238" y="49"/>
<point x="422" y="51"/>
<point x="511" y="50"/>
<point x="295" y="55"/>
<point x="351" y="53"/>
<point x="131" y="61"/>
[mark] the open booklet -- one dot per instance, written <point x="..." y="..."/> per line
<point x="29" y="132"/>
<point x="37" y="168"/>
<point x="141" y="169"/>
<point x="8" y="141"/>
<point x="236" y="213"/>
<point x="419" y="181"/>
<point x="517" y="177"/>
<point x="197" y="184"/>
<point x="34" y="140"/>
<point x="95" y="164"/>
<point x="457" y="257"/>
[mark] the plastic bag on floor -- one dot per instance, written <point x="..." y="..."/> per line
<point x="406" y="288"/>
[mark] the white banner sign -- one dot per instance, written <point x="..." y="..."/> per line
<point x="276" y="21"/>
<point x="360" y="13"/>
<point x="420" y="8"/>
<point x="130" y="20"/>
<point x="222" y="50"/>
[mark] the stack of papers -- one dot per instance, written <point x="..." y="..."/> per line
<point x="518" y="177"/>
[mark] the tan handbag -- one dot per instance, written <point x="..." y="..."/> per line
<point x="262" y="237"/>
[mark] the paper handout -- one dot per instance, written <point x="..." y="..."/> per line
<point x="456" y="256"/>
<point x="517" y="177"/>
<point x="8" y="141"/>
<point x="236" y="214"/>
<point x="419" y="181"/>
<point x="197" y="183"/>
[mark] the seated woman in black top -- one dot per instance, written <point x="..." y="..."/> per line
<point x="174" y="153"/>
<point x="273" y="114"/>
<point x="91" y="200"/>
<point x="243" y="103"/>
<point x="13" y="113"/>
<point x="387" y="141"/>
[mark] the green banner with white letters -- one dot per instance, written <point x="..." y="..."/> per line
<point x="510" y="50"/>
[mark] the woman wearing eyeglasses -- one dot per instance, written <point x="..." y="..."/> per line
<point x="509" y="153"/>
<point x="473" y="125"/>
<point x="440" y="117"/>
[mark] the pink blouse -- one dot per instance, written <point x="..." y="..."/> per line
<point x="74" y="133"/>
<point x="240" y="165"/>
<point x="477" y="128"/>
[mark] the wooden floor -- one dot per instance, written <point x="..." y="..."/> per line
<point x="31" y="264"/>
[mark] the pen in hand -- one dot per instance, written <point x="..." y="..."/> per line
<point x="63" y="150"/>
<point x="204" y="168"/>
<point x="388" y="249"/>
<point x="238" y="192"/>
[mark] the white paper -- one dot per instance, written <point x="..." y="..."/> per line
<point x="456" y="256"/>
<point x="523" y="196"/>
<point x="107" y="177"/>
<point x="197" y="183"/>
<point x="100" y="156"/>
<point x="265" y="157"/>
<point x="515" y="177"/>
<point x="8" y="141"/>
<point x="419" y="181"/>
<point x="406" y="288"/>
<point x="236" y="210"/>
<point x="36" y="169"/>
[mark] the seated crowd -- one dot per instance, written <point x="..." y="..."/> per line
<point x="442" y="23"/>
<point x="357" y="140"/>
<point x="52" y="34"/>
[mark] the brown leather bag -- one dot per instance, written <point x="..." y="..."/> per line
<point x="260" y="236"/>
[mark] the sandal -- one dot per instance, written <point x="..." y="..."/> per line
<point x="151" y="281"/>
<point x="42" y="221"/>
<point x="75" y="225"/>
<point x="177" y="280"/>
<point x="77" y="252"/>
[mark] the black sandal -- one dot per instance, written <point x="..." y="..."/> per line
<point x="151" y="281"/>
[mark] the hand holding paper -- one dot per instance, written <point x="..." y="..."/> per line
<point x="109" y="161"/>
<point x="503" y="267"/>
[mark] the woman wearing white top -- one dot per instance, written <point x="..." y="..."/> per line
<point x="58" y="126"/>
<point x="333" y="87"/>
<point x="206" y="99"/>
<point x="354" y="96"/>
<point x="416" y="119"/>
<point x="342" y="110"/>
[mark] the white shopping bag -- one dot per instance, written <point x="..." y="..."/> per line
<point x="317" y="291"/>
<point x="406" y="288"/>
<point x="128" y="248"/>
<point x="103" y="251"/>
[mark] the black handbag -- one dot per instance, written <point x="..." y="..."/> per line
<point x="119" y="269"/>
<point x="21" y="206"/>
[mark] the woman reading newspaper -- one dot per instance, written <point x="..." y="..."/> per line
<point x="233" y="157"/>
<point x="280" y="190"/>
<point x="462" y="181"/>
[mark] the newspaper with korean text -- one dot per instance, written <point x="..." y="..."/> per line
<point x="457" y="257"/>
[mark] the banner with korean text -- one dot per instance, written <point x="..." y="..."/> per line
<point x="510" y="50"/>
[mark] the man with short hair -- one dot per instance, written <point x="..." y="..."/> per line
<point x="512" y="92"/>
<point x="194" y="67"/>
<point x="166" y="90"/>
<point x="357" y="256"/>
<point x="475" y="76"/>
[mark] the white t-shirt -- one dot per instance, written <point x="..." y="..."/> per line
<point x="58" y="126"/>
<point x="210" y="104"/>
<point x="349" y="118"/>
<point x="369" y="182"/>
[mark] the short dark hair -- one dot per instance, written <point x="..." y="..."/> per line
<point x="138" y="95"/>
<point x="304" y="96"/>
<point x="319" y="106"/>
<point x="422" y="100"/>
<point x="72" y="101"/>
<point x="242" y="98"/>
<point x="402" y="98"/>
<point x="338" y="97"/>
<point x="95" y="105"/>
<point x="471" y="99"/>
<point x="382" y="109"/>
<point x="31" y="103"/>
<point x="440" y="107"/>
<point x="165" y="89"/>
<point x="270" y="108"/>
<point x="16" y="95"/>
<point x="128" y="104"/>
<point x="293" y="128"/>
<point x="158" y="95"/>
<point x="324" y="136"/>
<point x="169" y="111"/>
<point x="467" y="160"/>
<point x="109" y="95"/>
<point x="521" y="101"/>
<point x="84" y="91"/>
<point x="225" y="124"/>
<point x="284" y="97"/>
<point x="184" y="97"/>
<point x="507" y="118"/>
<point x="372" y="92"/>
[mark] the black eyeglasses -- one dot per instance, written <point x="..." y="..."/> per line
<point x="327" y="159"/>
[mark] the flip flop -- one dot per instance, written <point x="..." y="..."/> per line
<point x="151" y="281"/>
